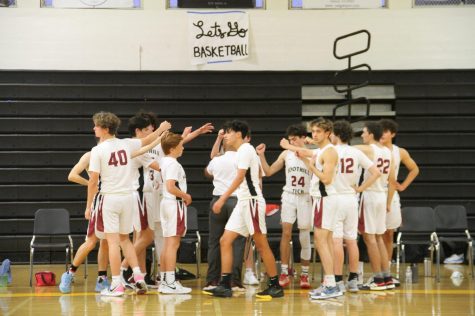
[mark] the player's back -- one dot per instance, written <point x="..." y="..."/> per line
<point x="350" y="160"/>
<point x="112" y="159"/>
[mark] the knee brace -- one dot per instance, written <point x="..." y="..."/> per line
<point x="306" y="252"/>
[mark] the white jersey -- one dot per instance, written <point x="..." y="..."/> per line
<point x="247" y="159"/>
<point x="223" y="169"/>
<point x="112" y="160"/>
<point x="142" y="161"/>
<point x="350" y="160"/>
<point x="172" y="170"/>
<point x="382" y="158"/>
<point x="324" y="190"/>
<point x="297" y="176"/>
<point x="152" y="178"/>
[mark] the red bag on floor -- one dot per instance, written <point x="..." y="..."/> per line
<point x="45" y="278"/>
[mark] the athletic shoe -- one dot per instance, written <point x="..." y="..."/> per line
<point x="140" y="285"/>
<point x="316" y="291"/>
<point x="271" y="292"/>
<point x="127" y="279"/>
<point x="284" y="280"/>
<point x="250" y="278"/>
<point x="119" y="290"/>
<point x="173" y="288"/>
<point x="455" y="258"/>
<point x="396" y="282"/>
<point x="352" y="286"/>
<point x="65" y="284"/>
<point x="304" y="283"/>
<point x="374" y="286"/>
<point x="237" y="286"/>
<point x="101" y="283"/>
<point x="327" y="292"/>
<point x="211" y="285"/>
<point x="157" y="280"/>
<point x="150" y="283"/>
<point x="219" y="291"/>
<point x="388" y="281"/>
<point x="5" y="269"/>
<point x="341" y="286"/>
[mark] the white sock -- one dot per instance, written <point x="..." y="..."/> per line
<point x="136" y="271"/>
<point x="162" y="276"/>
<point x="329" y="280"/>
<point x="249" y="270"/>
<point x="170" y="277"/>
<point x="115" y="281"/>
<point x="285" y="269"/>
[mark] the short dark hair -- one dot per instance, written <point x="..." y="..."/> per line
<point x="296" y="130"/>
<point x="322" y="123"/>
<point x="141" y="120"/>
<point x="375" y="129"/>
<point x="389" y="125"/>
<point x="170" y="141"/>
<point x="343" y="130"/>
<point x="237" y="126"/>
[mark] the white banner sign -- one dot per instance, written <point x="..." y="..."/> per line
<point x="106" y="4"/>
<point x="341" y="4"/>
<point x="218" y="36"/>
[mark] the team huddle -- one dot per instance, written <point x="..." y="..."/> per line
<point x="337" y="190"/>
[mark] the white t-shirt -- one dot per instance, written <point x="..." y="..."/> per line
<point x="297" y="176"/>
<point x="223" y="169"/>
<point x="112" y="160"/>
<point x="382" y="158"/>
<point x="247" y="159"/>
<point x="152" y="178"/>
<point x="172" y="170"/>
<point x="350" y="160"/>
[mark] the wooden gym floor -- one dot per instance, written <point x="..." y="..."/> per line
<point x="449" y="297"/>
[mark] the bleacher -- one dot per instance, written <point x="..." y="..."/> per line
<point x="45" y="127"/>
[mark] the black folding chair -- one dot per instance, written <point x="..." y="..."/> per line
<point x="193" y="235"/>
<point x="451" y="226"/>
<point x="418" y="228"/>
<point x="51" y="223"/>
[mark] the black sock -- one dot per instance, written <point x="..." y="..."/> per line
<point x="338" y="278"/>
<point x="102" y="273"/>
<point x="226" y="280"/>
<point x="353" y="276"/>
<point x="274" y="281"/>
<point x="73" y="268"/>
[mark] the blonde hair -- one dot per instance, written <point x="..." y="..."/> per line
<point x="170" y="141"/>
<point x="323" y="123"/>
<point x="107" y="120"/>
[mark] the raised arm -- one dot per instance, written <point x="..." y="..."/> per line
<point x="303" y="152"/>
<point x="79" y="167"/>
<point x="207" y="128"/>
<point x="413" y="168"/>
<point x="217" y="144"/>
<point x="276" y="166"/>
<point x="164" y="126"/>
<point x="150" y="146"/>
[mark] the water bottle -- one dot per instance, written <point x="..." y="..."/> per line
<point x="415" y="273"/>
<point x="408" y="278"/>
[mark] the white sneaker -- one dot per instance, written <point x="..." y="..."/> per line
<point x="119" y="290"/>
<point x="173" y="288"/>
<point x="316" y="291"/>
<point x="341" y="286"/>
<point x="455" y="258"/>
<point x="250" y="278"/>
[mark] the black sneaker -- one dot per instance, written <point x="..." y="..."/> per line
<point x="219" y="291"/>
<point x="150" y="282"/>
<point x="127" y="278"/>
<point x="271" y="292"/>
<point x="237" y="286"/>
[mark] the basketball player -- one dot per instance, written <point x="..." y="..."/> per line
<point x="393" y="218"/>
<point x="375" y="202"/>
<point x="248" y="216"/>
<point x="222" y="170"/>
<point x="346" y="184"/>
<point x="296" y="202"/>
<point x="111" y="160"/>
<point x="323" y="165"/>
<point x="172" y="212"/>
